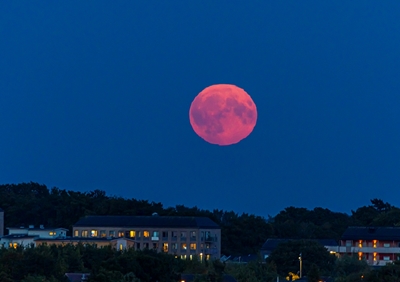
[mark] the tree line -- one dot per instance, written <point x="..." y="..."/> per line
<point x="35" y="204"/>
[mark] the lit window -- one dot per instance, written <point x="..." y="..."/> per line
<point x="183" y="246"/>
<point x="84" y="233"/>
<point x="183" y="256"/>
<point x="156" y="234"/>
<point x="15" y="245"/>
<point x="165" y="247"/>
<point x="120" y="234"/>
<point x="360" y="255"/>
<point x="120" y="247"/>
<point x="52" y="233"/>
<point x="191" y="257"/>
<point x="76" y="233"/>
<point x="103" y="234"/>
<point x="360" y="244"/>
<point x="374" y="256"/>
<point x="93" y="233"/>
<point x="132" y="234"/>
<point x="208" y="257"/>
<point x="193" y="246"/>
<point x="374" y="243"/>
<point x="146" y="234"/>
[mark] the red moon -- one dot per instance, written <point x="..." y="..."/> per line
<point x="223" y="114"/>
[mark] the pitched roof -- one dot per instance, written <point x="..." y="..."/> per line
<point x="272" y="243"/>
<point x="147" y="221"/>
<point x="371" y="233"/>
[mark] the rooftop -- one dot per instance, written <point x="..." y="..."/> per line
<point x="371" y="233"/>
<point x="147" y="221"/>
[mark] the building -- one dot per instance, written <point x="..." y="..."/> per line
<point x="177" y="235"/>
<point x="1" y="223"/>
<point x="271" y="244"/>
<point x="27" y="236"/>
<point x="377" y="245"/>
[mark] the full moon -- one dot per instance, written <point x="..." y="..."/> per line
<point x="223" y="114"/>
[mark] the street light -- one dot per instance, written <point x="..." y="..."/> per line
<point x="301" y="265"/>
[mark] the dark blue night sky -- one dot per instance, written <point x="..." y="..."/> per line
<point x="96" y="95"/>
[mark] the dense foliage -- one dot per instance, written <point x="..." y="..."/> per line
<point x="33" y="203"/>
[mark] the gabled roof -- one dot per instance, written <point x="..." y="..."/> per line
<point x="371" y="233"/>
<point x="272" y="243"/>
<point x="147" y="221"/>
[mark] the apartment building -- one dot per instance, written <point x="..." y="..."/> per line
<point x="1" y="222"/>
<point x="27" y="236"/>
<point x="377" y="245"/>
<point x="181" y="236"/>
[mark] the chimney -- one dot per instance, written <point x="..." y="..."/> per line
<point x="1" y="222"/>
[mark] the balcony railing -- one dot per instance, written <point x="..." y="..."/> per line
<point x="381" y="250"/>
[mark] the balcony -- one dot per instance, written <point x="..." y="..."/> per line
<point x="369" y="250"/>
<point x="155" y="238"/>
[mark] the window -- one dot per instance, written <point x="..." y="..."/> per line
<point x="165" y="234"/>
<point x="84" y="233"/>
<point x="386" y="258"/>
<point x="132" y="234"/>
<point x="76" y="233"/>
<point x="146" y="245"/>
<point x="386" y="245"/>
<point x="183" y="235"/>
<point x="165" y="247"/>
<point x="374" y="256"/>
<point x="208" y="257"/>
<point x="360" y="255"/>
<point x="112" y="233"/>
<point x="193" y="235"/>
<point x="174" y="234"/>
<point x="174" y="246"/>
<point x="193" y="246"/>
<point x="184" y="246"/>
<point x="52" y="233"/>
<point x="138" y="234"/>
<point x="156" y="234"/>
<point x="121" y="233"/>
<point x="93" y="233"/>
<point x="374" y="243"/>
<point x="146" y="234"/>
<point x="183" y="256"/>
<point x="103" y="234"/>
<point x="120" y="247"/>
<point x="348" y="243"/>
<point x="360" y="244"/>
<point x="155" y="246"/>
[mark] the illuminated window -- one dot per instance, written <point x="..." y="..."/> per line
<point x="121" y="234"/>
<point x="183" y="256"/>
<point x="184" y="246"/>
<point x="146" y="234"/>
<point x="193" y="246"/>
<point x="84" y="233"/>
<point x="76" y="233"/>
<point x="103" y="234"/>
<point x="15" y="245"/>
<point x="165" y="247"/>
<point x="374" y="256"/>
<point x="374" y="243"/>
<point x="93" y="233"/>
<point x="120" y="247"/>
<point x="208" y="257"/>
<point x="52" y="233"/>
<point x="360" y="244"/>
<point x="132" y="234"/>
<point x="360" y="255"/>
<point x="191" y="257"/>
<point x="156" y="234"/>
